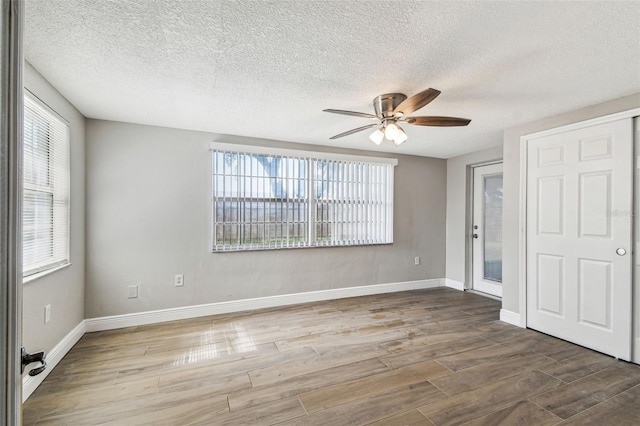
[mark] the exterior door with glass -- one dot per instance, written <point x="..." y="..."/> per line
<point x="487" y="229"/>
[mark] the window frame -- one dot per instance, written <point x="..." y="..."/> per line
<point x="60" y="212"/>
<point x="310" y="199"/>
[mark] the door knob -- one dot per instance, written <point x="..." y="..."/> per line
<point x="621" y="252"/>
<point x="28" y="358"/>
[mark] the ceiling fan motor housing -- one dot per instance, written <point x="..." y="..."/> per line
<point x="385" y="104"/>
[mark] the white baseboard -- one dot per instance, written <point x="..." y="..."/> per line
<point x="511" y="317"/>
<point x="30" y="383"/>
<point x="456" y="285"/>
<point x="172" y="314"/>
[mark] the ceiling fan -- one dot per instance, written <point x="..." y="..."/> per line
<point x="392" y="109"/>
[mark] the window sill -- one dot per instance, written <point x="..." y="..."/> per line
<point x="39" y="275"/>
<point x="274" y="248"/>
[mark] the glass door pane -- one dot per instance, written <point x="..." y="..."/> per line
<point x="493" y="228"/>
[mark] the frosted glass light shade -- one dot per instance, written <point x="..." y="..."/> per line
<point x="391" y="131"/>
<point x="402" y="136"/>
<point x="377" y="136"/>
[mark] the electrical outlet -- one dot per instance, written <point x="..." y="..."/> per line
<point x="179" y="280"/>
<point x="47" y="313"/>
<point x="132" y="291"/>
<point x="416" y="260"/>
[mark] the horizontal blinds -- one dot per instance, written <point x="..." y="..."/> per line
<point x="265" y="201"/>
<point x="46" y="189"/>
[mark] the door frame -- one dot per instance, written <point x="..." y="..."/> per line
<point x="522" y="220"/>
<point x="470" y="223"/>
<point x="11" y="95"/>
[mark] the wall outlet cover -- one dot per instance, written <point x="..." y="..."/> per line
<point x="132" y="291"/>
<point x="179" y="280"/>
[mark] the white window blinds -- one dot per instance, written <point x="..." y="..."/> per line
<point x="273" y="199"/>
<point x="45" y="214"/>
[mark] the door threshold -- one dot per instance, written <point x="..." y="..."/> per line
<point x="480" y="293"/>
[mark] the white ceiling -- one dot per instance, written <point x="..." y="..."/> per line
<point x="267" y="69"/>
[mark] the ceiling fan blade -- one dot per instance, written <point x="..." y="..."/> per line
<point x="352" y="131"/>
<point x="416" y="101"/>
<point x="437" y="121"/>
<point x="354" y="113"/>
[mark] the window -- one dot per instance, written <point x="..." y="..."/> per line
<point x="45" y="214"/>
<point x="275" y="198"/>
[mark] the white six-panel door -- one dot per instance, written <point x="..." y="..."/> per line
<point x="579" y="222"/>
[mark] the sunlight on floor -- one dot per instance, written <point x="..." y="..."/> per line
<point x="232" y="339"/>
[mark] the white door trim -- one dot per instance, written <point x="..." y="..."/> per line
<point x="11" y="84"/>
<point x="522" y="222"/>
<point x="582" y="124"/>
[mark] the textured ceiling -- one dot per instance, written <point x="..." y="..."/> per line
<point x="268" y="68"/>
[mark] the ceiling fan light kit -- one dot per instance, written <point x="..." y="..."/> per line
<point x="391" y="131"/>
<point x="392" y="109"/>
<point x="401" y="137"/>
<point x="377" y="136"/>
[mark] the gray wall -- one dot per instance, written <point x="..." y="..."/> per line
<point x="510" y="227"/>
<point x="149" y="212"/>
<point x="63" y="289"/>
<point x="458" y="205"/>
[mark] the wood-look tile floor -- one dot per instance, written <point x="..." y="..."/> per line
<point x="428" y="357"/>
